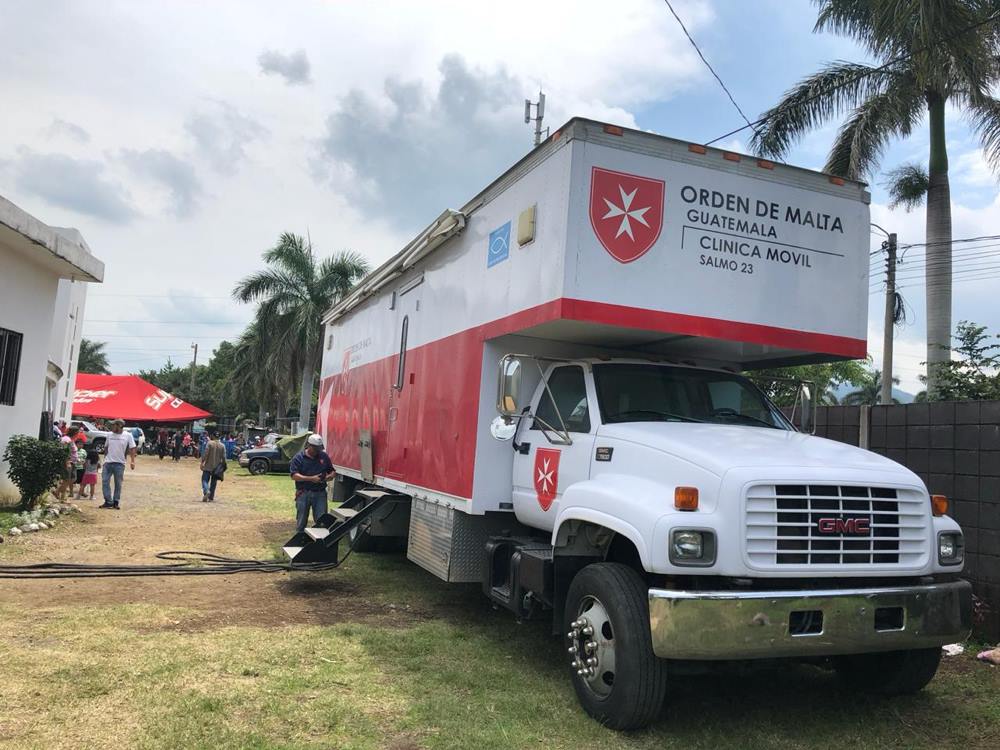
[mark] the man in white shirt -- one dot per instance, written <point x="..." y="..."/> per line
<point x="120" y="444"/>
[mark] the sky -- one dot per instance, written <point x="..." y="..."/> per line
<point x="182" y="138"/>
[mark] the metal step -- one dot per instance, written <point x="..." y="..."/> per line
<point x="318" y="532"/>
<point x="374" y="494"/>
<point x="342" y="513"/>
<point x="291" y="551"/>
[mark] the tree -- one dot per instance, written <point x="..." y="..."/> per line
<point x="297" y="290"/>
<point x="869" y="390"/>
<point x="974" y="373"/>
<point x="934" y="52"/>
<point x="92" y="358"/>
<point x="825" y="376"/>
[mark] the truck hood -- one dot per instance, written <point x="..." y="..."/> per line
<point x="720" y="447"/>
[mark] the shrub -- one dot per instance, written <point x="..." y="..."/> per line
<point x="35" y="466"/>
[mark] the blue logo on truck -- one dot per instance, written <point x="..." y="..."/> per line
<point x="499" y="247"/>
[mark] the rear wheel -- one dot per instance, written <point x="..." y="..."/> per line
<point x="259" y="466"/>
<point x="618" y="679"/>
<point x="890" y="673"/>
<point x="361" y="540"/>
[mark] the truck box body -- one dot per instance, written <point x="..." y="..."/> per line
<point x="599" y="241"/>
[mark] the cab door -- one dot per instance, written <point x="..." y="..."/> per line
<point x="544" y="467"/>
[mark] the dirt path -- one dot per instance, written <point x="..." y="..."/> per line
<point x="162" y="510"/>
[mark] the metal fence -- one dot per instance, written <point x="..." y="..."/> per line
<point x="954" y="446"/>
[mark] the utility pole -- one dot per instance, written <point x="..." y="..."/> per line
<point x="194" y="364"/>
<point x="890" y="316"/>
<point x="539" y="114"/>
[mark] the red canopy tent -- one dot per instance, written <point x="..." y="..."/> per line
<point x="130" y="398"/>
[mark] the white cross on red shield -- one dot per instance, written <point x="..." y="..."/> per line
<point x="626" y="212"/>
<point x="546" y="476"/>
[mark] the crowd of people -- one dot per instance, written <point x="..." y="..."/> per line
<point x="84" y="462"/>
<point x="179" y="444"/>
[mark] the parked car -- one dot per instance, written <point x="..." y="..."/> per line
<point x="96" y="439"/>
<point x="265" y="459"/>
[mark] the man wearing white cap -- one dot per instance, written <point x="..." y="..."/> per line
<point x="119" y="446"/>
<point x="311" y="469"/>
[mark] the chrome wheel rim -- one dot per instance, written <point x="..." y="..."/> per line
<point x="592" y="646"/>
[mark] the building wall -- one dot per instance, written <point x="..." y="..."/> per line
<point x="27" y="293"/>
<point x="64" y="347"/>
<point x="954" y="447"/>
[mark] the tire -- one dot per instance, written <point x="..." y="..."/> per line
<point x="631" y="693"/>
<point x="889" y="673"/>
<point x="361" y="541"/>
<point x="259" y="466"/>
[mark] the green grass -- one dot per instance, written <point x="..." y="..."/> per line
<point x="408" y="662"/>
<point x="7" y="519"/>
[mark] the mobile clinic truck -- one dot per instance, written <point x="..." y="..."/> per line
<point x="540" y="393"/>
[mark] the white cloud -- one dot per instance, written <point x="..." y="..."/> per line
<point x="163" y="145"/>
<point x="222" y="135"/>
<point x="292" y="66"/>
<point x="169" y="172"/>
<point x="81" y="186"/>
<point x="60" y="128"/>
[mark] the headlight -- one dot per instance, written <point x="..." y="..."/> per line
<point x="693" y="547"/>
<point x="951" y="548"/>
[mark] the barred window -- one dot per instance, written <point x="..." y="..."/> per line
<point x="10" y="364"/>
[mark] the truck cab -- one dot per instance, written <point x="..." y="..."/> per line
<point x="690" y="492"/>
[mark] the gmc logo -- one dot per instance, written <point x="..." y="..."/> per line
<point x="844" y="525"/>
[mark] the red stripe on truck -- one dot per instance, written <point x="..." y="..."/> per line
<point x="426" y="434"/>
<point x="693" y="325"/>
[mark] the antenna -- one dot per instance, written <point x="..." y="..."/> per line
<point x="539" y="106"/>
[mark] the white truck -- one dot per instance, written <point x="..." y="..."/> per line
<point x="541" y="393"/>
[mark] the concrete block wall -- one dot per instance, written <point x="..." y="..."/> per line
<point x="954" y="446"/>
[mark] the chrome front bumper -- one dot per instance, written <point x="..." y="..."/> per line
<point x="755" y="624"/>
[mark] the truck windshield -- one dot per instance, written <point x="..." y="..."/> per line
<point x="659" y="393"/>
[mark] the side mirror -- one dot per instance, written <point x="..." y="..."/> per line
<point x="503" y="428"/>
<point x="509" y="386"/>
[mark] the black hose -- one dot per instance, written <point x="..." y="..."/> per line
<point x="188" y="563"/>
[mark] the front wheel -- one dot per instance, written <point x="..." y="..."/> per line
<point x="618" y="679"/>
<point x="258" y="466"/>
<point x="889" y="673"/>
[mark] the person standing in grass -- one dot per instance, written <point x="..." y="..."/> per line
<point x="90" y="469"/>
<point x="73" y="457"/>
<point x="119" y="446"/>
<point x="311" y="469"/>
<point x="213" y="467"/>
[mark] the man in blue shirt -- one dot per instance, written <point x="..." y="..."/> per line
<point x="311" y="469"/>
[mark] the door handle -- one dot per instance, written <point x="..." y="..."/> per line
<point x="524" y="448"/>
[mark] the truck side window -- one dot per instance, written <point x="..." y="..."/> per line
<point x="569" y="388"/>
<point x="401" y="364"/>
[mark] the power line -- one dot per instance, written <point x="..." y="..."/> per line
<point x="707" y="64"/>
<point x="154" y="336"/>
<point x="864" y="74"/>
<point x="167" y="322"/>
<point x="163" y="296"/>
<point x="982" y="238"/>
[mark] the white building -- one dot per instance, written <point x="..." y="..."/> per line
<point x="44" y="272"/>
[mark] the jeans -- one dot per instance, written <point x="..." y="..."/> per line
<point x="118" y="472"/>
<point x="315" y="499"/>
<point x="208" y="482"/>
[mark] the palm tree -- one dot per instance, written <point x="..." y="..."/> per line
<point x="295" y="291"/>
<point x="934" y="52"/>
<point x="92" y="358"/>
<point x="869" y="390"/>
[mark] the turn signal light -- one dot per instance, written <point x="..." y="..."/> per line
<point x="686" y="498"/>
<point x="939" y="505"/>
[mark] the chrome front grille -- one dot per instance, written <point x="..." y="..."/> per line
<point x="835" y="526"/>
